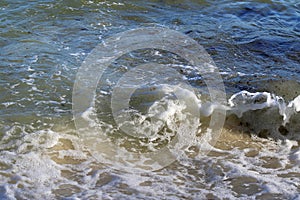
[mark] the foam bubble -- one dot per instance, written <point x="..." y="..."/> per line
<point x="295" y="103"/>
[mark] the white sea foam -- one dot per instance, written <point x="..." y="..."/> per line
<point x="48" y="165"/>
<point x="245" y="101"/>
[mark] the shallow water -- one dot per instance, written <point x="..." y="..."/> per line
<point x="254" y="44"/>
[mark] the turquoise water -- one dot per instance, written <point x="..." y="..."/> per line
<point x="254" y="44"/>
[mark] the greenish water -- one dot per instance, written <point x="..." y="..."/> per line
<point x="255" y="45"/>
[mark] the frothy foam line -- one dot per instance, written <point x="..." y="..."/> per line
<point x="33" y="166"/>
<point x="244" y="101"/>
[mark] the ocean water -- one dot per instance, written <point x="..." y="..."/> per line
<point x="55" y="144"/>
